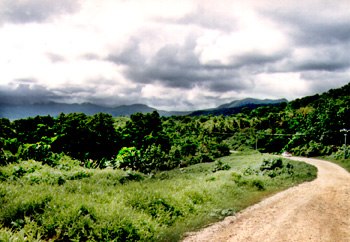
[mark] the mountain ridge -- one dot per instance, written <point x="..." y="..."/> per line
<point x="249" y="100"/>
<point x="19" y="111"/>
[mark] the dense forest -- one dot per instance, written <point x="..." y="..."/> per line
<point x="310" y="126"/>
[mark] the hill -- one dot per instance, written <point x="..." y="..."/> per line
<point x="16" y="111"/>
<point x="237" y="106"/>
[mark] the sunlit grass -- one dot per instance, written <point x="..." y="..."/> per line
<point x="101" y="205"/>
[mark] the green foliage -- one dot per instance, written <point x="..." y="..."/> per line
<point x="220" y="166"/>
<point x="271" y="164"/>
<point x="258" y="184"/>
<point x="339" y="154"/>
<point x="68" y="202"/>
<point x="128" y="157"/>
<point x="271" y="167"/>
<point x="189" y="149"/>
<point x="156" y="206"/>
<point x="39" y="152"/>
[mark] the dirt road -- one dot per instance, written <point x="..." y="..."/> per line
<point x="313" y="211"/>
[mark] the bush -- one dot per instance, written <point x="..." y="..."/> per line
<point x="39" y="152"/>
<point x="219" y="150"/>
<point x="145" y="161"/>
<point x="271" y="164"/>
<point x="271" y="167"/>
<point x="205" y="158"/>
<point x="6" y="157"/>
<point x="219" y="166"/>
<point x="338" y="155"/>
<point x="259" y="184"/>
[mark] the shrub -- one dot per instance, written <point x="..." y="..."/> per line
<point x="39" y="152"/>
<point x="219" y="150"/>
<point x="338" y="155"/>
<point x="271" y="164"/>
<point x="259" y="184"/>
<point x="189" y="149"/>
<point x="219" y="166"/>
<point x="128" y="157"/>
<point x="205" y="158"/>
<point x="145" y="161"/>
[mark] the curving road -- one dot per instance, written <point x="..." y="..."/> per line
<point x="313" y="211"/>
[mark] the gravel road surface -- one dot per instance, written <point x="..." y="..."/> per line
<point x="317" y="211"/>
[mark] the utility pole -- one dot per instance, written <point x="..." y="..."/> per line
<point x="345" y="134"/>
<point x="345" y="147"/>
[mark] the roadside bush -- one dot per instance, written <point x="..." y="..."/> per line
<point x="271" y="167"/>
<point x="314" y="149"/>
<point x="338" y="155"/>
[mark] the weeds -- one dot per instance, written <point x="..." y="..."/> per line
<point x="71" y="203"/>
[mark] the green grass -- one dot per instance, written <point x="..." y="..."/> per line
<point x="71" y="203"/>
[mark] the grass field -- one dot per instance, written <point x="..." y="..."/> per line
<point x="71" y="203"/>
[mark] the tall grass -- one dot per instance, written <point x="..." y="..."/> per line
<point x="38" y="202"/>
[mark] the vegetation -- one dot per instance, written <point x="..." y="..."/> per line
<point x="149" y="178"/>
<point x="72" y="203"/>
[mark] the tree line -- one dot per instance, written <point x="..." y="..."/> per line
<point x="308" y="126"/>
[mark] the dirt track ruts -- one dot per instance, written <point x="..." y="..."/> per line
<point x="313" y="211"/>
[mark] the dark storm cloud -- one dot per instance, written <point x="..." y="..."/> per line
<point x="17" y="11"/>
<point x="24" y="93"/>
<point x="315" y="30"/>
<point x="321" y="65"/>
<point x="177" y="66"/>
<point x="27" y="91"/>
<point x="173" y="66"/>
<point x="320" y="25"/>
<point x="319" y="58"/>
<point x="130" y="55"/>
<point x="223" y="86"/>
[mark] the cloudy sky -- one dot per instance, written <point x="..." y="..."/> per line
<point x="171" y="54"/>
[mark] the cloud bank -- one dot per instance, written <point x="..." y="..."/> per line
<point x="173" y="55"/>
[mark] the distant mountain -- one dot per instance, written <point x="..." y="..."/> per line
<point x="14" y="111"/>
<point x="237" y="106"/>
<point x="247" y="101"/>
